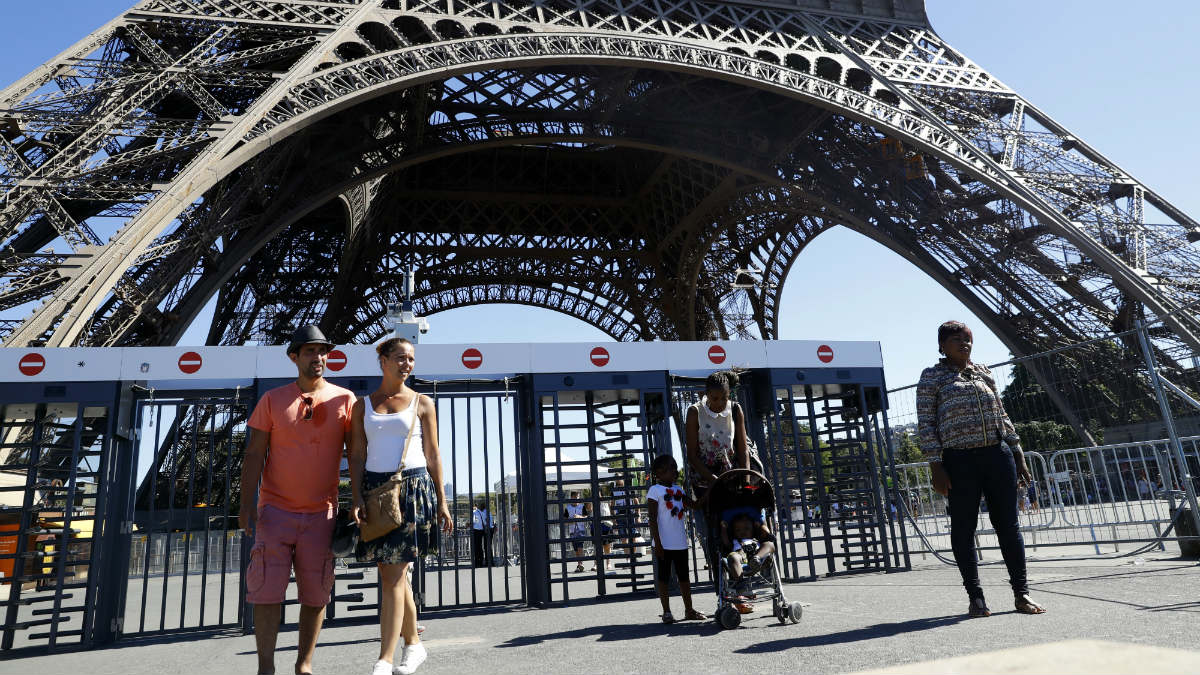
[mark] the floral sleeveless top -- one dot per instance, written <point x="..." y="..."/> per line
<point x="714" y="434"/>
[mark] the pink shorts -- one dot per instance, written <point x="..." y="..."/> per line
<point x="283" y="539"/>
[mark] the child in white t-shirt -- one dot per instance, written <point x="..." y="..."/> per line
<point x="668" y="507"/>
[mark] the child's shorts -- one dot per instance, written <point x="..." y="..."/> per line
<point x="673" y="558"/>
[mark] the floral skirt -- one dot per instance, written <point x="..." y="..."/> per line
<point x="419" y="534"/>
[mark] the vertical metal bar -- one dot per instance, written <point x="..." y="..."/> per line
<point x="519" y="464"/>
<point x="212" y="443"/>
<point x="891" y="459"/>
<point x="187" y="514"/>
<point x="878" y="487"/>
<point x="442" y="538"/>
<point x="63" y="548"/>
<point x="535" y="563"/>
<point x="563" y="524"/>
<point x="628" y="516"/>
<point x="594" y="483"/>
<point x="796" y="446"/>
<point x="1189" y="489"/>
<point x="471" y="493"/>
<point x="153" y="495"/>
<point x="778" y="463"/>
<point x="245" y="612"/>
<point x="457" y="488"/>
<point x="108" y="575"/>
<point x="25" y="524"/>
<point x="506" y="530"/>
<point x="822" y="495"/>
<point x="225" y="499"/>
<point x="488" y="535"/>
<point x="174" y="464"/>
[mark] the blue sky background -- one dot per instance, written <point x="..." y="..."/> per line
<point x="1121" y="77"/>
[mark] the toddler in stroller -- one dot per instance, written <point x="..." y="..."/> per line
<point x="745" y="535"/>
<point x="741" y="505"/>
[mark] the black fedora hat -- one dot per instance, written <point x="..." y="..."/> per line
<point x="307" y="335"/>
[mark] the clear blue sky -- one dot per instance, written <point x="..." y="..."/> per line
<point x="1117" y="75"/>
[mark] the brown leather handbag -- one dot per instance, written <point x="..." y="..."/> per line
<point x="385" y="504"/>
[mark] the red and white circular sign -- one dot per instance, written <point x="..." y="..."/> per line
<point x="31" y="364"/>
<point x="716" y="354"/>
<point x="825" y="353"/>
<point x="336" y="360"/>
<point x="599" y="357"/>
<point x="472" y="358"/>
<point x="190" y="362"/>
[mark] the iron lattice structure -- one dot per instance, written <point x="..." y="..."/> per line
<point x="621" y="161"/>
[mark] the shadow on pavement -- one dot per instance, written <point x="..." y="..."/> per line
<point x="320" y="643"/>
<point x="1191" y="607"/>
<point x="618" y="632"/>
<point x="879" y="630"/>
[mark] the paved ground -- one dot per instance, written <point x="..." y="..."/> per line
<point x="1130" y="618"/>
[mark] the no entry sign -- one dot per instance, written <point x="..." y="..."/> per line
<point x="336" y="360"/>
<point x="472" y="358"/>
<point x="599" y="357"/>
<point x="825" y="353"/>
<point x="31" y="364"/>
<point x="190" y="362"/>
<point x="716" y="354"/>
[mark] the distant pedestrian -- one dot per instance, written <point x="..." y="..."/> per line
<point x="606" y="535"/>
<point x="297" y="439"/>
<point x="973" y="451"/>
<point x="668" y="507"/>
<point x="482" y="526"/>
<point x="575" y="514"/>
<point x="394" y="430"/>
<point x="1144" y="487"/>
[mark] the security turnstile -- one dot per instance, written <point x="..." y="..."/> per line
<point x="121" y="473"/>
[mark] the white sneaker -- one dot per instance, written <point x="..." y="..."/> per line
<point x="382" y="668"/>
<point x="414" y="656"/>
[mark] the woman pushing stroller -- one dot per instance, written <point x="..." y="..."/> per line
<point x="716" y="440"/>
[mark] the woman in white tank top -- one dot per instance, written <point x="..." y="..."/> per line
<point x="386" y="432"/>
<point x="379" y="427"/>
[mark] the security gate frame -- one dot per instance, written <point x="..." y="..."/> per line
<point x="121" y="389"/>
<point x="71" y="619"/>
<point x="191" y="416"/>
<point x="842" y="413"/>
<point x="554" y="396"/>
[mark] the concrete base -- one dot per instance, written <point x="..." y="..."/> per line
<point x="1069" y="657"/>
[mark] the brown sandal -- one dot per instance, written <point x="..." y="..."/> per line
<point x="693" y="615"/>
<point x="1026" y="605"/>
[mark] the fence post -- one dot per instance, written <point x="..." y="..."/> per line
<point x="116" y="513"/>
<point x="533" y="504"/>
<point x="1189" y="489"/>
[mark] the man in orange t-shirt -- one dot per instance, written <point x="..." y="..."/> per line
<point x="298" y="436"/>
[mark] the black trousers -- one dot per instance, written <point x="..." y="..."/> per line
<point x="479" y="555"/>
<point x="990" y="473"/>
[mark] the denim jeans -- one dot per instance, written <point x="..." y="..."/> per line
<point x="991" y="473"/>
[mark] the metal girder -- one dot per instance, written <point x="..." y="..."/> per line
<point x="218" y="127"/>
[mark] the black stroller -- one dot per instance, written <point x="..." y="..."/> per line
<point x="740" y="488"/>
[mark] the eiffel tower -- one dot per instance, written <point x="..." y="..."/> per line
<point x="652" y="167"/>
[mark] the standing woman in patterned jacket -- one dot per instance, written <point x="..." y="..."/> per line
<point x="973" y="451"/>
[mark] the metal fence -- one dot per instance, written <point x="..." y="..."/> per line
<point x="1110" y="429"/>
<point x="161" y="552"/>
<point x="1089" y="497"/>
